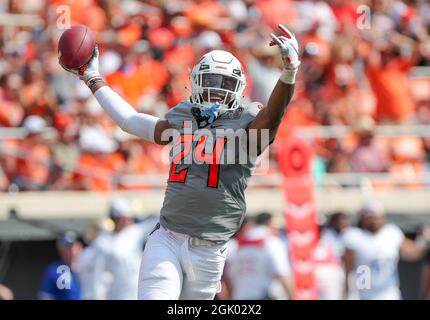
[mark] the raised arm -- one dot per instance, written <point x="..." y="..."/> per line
<point x="270" y="116"/>
<point x="411" y="250"/>
<point x="122" y="113"/>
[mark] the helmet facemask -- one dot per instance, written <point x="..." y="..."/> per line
<point x="211" y="88"/>
<point x="218" y="88"/>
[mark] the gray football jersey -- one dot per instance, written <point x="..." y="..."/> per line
<point x="204" y="200"/>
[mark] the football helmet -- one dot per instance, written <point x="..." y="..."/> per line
<point x="218" y="78"/>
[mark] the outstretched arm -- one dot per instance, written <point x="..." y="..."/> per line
<point x="411" y="250"/>
<point x="270" y="116"/>
<point x="122" y="113"/>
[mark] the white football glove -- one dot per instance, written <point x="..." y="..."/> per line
<point x="289" y="47"/>
<point x="89" y="70"/>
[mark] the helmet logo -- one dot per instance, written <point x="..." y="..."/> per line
<point x="204" y="67"/>
<point x="237" y="72"/>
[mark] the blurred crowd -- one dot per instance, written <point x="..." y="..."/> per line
<point x="364" y="63"/>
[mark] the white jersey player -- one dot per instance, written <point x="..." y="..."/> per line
<point x="373" y="252"/>
<point x="109" y="267"/>
<point x="204" y="204"/>
<point x="259" y="259"/>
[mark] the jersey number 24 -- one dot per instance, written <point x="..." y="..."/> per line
<point x="212" y="159"/>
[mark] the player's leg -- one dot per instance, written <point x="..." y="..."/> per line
<point x="203" y="268"/>
<point x="160" y="276"/>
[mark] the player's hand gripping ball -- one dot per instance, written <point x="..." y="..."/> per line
<point x="289" y="47"/>
<point x="78" y="52"/>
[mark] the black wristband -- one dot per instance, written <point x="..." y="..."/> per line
<point x="93" y="81"/>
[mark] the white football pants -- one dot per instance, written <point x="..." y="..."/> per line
<point x="174" y="267"/>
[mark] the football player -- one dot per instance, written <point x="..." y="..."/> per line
<point x="204" y="203"/>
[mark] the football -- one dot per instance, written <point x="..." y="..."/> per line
<point x="75" y="47"/>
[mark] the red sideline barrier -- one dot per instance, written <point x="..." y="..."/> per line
<point x="295" y="158"/>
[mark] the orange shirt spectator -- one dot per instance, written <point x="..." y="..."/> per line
<point x="153" y="75"/>
<point x="276" y="11"/>
<point x="299" y="113"/>
<point x="96" y="171"/>
<point x="129" y="34"/>
<point x="32" y="168"/>
<point x="323" y="46"/>
<point x="139" y="162"/>
<point x="390" y="86"/>
<point x="150" y="75"/>
<point x="180" y="58"/>
<point x="32" y="157"/>
<point x="206" y="13"/>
